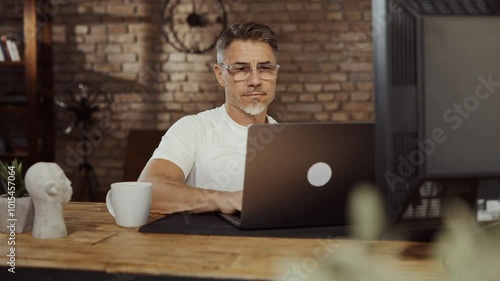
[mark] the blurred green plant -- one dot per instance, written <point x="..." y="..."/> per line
<point x="14" y="170"/>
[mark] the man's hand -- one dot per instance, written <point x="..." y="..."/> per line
<point x="230" y="202"/>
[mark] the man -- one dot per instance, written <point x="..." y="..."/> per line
<point x="199" y="164"/>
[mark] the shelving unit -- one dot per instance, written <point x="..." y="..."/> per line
<point x="30" y="114"/>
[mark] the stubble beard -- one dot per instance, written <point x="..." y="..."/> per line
<point x="255" y="108"/>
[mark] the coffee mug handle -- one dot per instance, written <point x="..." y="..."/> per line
<point x="108" y="203"/>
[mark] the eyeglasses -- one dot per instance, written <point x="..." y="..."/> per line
<point x="241" y="72"/>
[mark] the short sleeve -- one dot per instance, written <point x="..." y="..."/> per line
<point x="180" y="143"/>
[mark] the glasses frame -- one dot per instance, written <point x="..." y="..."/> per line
<point x="230" y="69"/>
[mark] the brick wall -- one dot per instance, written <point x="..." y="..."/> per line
<point x="117" y="45"/>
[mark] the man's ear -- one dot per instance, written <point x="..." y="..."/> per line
<point x="218" y="75"/>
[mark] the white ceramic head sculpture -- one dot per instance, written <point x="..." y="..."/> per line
<point x="50" y="190"/>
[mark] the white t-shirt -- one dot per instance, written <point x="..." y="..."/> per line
<point x="209" y="147"/>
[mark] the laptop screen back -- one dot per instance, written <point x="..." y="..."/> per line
<point x="300" y="174"/>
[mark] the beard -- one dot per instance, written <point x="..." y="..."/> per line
<point x="255" y="108"/>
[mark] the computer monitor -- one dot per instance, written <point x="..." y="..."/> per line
<point x="437" y="81"/>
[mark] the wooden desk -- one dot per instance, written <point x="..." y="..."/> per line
<point x="98" y="249"/>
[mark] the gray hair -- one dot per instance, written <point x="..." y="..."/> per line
<point x="246" y="31"/>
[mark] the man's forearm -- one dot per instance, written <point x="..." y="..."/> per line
<point x="172" y="197"/>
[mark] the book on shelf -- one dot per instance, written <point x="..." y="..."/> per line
<point x="10" y="51"/>
<point x="5" y="50"/>
<point x="14" y="53"/>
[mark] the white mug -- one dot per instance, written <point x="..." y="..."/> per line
<point x="129" y="203"/>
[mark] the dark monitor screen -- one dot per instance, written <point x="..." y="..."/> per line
<point x="461" y="92"/>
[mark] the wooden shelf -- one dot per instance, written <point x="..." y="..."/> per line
<point x="12" y="63"/>
<point x="14" y="155"/>
<point x="6" y="15"/>
<point x="9" y="157"/>
<point x="16" y="110"/>
<point x="26" y="110"/>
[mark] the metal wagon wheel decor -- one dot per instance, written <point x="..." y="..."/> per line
<point x="193" y="26"/>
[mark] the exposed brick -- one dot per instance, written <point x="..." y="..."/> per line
<point x="357" y="106"/>
<point x="348" y="86"/>
<point x="177" y="57"/>
<point x="356" y="67"/>
<point x="164" y="116"/>
<point x="326" y="58"/>
<point x="340" y="77"/>
<point x="93" y="57"/>
<point x="333" y="6"/>
<point x="96" y="38"/>
<point x="322" y="117"/>
<point x="304" y="107"/>
<point x="132" y="67"/>
<point x="280" y="17"/>
<point x="340" y="117"/>
<point x="325" y="97"/>
<point x="313" y="87"/>
<point x="311" y="57"/>
<point x="307" y="67"/>
<point x="202" y="77"/>
<point x="265" y="7"/>
<point x="86" y="48"/>
<point x="97" y="29"/>
<point x="311" y="47"/>
<point x="290" y="47"/>
<point x="360" y="96"/>
<point x="178" y="67"/>
<point x="190" y="87"/>
<point x="121" y="10"/>
<point x="364" y="27"/>
<point x="361" y="116"/>
<point x="109" y="48"/>
<point x="176" y="77"/>
<point x="335" y="16"/>
<point x="332" y="87"/>
<point x="332" y="106"/>
<point x="313" y="6"/>
<point x="117" y="58"/>
<point x="145" y="9"/>
<point x="333" y="26"/>
<point x="294" y="6"/>
<point x="307" y="97"/>
<point x="295" y="87"/>
<point x="122" y="38"/>
<point x="288" y="98"/>
<point x="289" y="27"/>
<point x="342" y="96"/>
<point x="328" y="67"/>
<point x="174" y="106"/>
<point x="81" y="29"/>
<point x="365" y="86"/>
<point x="116" y="29"/>
<point x="356" y="5"/>
<point x="239" y="7"/>
<point x="353" y="16"/>
<point x="334" y="46"/>
<point x="361" y="76"/>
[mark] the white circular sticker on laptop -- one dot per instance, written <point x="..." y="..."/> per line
<point x="319" y="174"/>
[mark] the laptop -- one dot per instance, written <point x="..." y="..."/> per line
<point x="301" y="174"/>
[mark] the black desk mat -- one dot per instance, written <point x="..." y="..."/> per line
<point x="212" y="224"/>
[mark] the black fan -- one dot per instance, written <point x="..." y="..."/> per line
<point x="83" y="103"/>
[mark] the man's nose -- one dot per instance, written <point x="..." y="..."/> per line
<point x="253" y="79"/>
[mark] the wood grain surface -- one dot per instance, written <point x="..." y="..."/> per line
<point x="95" y="242"/>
